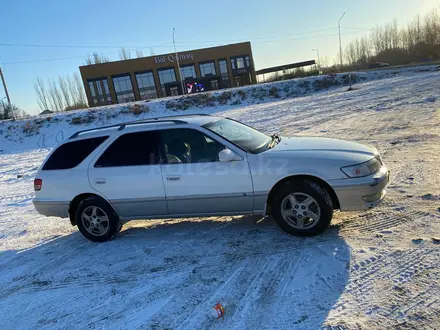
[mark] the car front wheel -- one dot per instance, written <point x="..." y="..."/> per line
<point x="96" y="220"/>
<point x="302" y="208"/>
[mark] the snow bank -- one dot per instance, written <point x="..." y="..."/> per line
<point x="49" y="130"/>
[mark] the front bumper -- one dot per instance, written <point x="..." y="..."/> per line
<point x="356" y="194"/>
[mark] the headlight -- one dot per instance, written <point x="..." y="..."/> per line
<point x="364" y="169"/>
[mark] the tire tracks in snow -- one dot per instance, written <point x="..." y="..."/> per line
<point x="394" y="274"/>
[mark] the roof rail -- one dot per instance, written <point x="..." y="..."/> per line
<point x="149" y="121"/>
<point x="186" y="115"/>
<point x="92" y="129"/>
<point x="123" y="125"/>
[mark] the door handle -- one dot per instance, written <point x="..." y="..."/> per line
<point x="173" y="178"/>
<point x="100" y="181"/>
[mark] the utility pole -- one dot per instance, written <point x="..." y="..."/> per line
<point x="340" y="45"/>
<point x="7" y="94"/>
<point x="319" y="61"/>
<point x="178" y="64"/>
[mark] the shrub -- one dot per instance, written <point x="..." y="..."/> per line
<point x="224" y="97"/>
<point x="242" y="93"/>
<point x="259" y="93"/>
<point x="273" y="92"/>
<point x="83" y="119"/>
<point x="138" y="109"/>
<point x="324" y="83"/>
<point x="29" y="128"/>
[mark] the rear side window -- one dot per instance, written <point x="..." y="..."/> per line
<point x="132" y="149"/>
<point x="71" y="154"/>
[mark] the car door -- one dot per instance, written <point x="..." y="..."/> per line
<point x="128" y="174"/>
<point x="196" y="182"/>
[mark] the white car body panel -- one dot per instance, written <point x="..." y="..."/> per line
<point x="215" y="188"/>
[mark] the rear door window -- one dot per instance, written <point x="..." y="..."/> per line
<point x="71" y="154"/>
<point x="132" y="149"/>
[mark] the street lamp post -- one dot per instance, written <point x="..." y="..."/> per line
<point x="319" y="61"/>
<point x="7" y="94"/>
<point x="340" y="45"/>
<point x="178" y="64"/>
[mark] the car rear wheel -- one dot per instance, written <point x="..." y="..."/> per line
<point x="302" y="208"/>
<point x="96" y="219"/>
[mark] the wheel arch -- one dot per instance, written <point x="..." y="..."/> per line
<point x="78" y="199"/>
<point x="302" y="177"/>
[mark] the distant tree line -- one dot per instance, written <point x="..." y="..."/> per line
<point x="418" y="41"/>
<point x="67" y="92"/>
<point x="389" y="43"/>
<point x="6" y="113"/>
<point x="62" y="94"/>
<point x="124" y="54"/>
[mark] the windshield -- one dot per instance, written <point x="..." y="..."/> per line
<point x="243" y="136"/>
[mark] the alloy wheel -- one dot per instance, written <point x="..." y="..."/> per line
<point x="95" y="221"/>
<point x="300" y="210"/>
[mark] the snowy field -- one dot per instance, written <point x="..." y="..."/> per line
<point x="371" y="270"/>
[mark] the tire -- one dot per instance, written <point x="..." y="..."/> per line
<point x="97" y="220"/>
<point x="295" y="216"/>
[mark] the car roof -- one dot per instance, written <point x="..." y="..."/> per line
<point x="192" y="119"/>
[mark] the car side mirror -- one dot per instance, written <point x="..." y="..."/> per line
<point x="227" y="155"/>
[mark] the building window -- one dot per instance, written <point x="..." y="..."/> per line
<point x="166" y="76"/>
<point x="123" y="89"/>
<point x="207" y="69"/>
<point x="99" y="91"/>
<point x="240" y="62"/>
<point x="224" y="73"/>
<point x="223" y="69"/>
<point x="187" y="72"/>
<point x="147" y="86"/>
<point x="93" y="93"/>
<point x="107" y="91"/>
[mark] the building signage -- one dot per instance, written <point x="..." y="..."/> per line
<point x="172" y="58"/>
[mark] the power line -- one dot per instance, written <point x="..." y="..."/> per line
<point x="139" y="47"/>
<point x="65" y="58"/>
<point x="211" y="43"/>
<point x="77" y="46"/>
<point x="256" y="38"/>
<point x="276" y="40"/>
<point x="353" y="28"/>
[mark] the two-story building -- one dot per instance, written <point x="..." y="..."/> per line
<point x="158" y="76"/>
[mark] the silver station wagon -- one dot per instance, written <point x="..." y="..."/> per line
<point x="201" y="165"/>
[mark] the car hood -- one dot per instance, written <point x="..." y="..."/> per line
<point x="322" y="144"/>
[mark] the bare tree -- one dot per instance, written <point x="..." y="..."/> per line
<point x="64" y="88"/>
<point x="81" y="95"/>
<point x="6" y="113"/>
<point x="389" y="43"/>
<point x="42" y="97"/>
<point x="96" y="59"/>
<point x="124" y="54"/>
<point x="55" y="96"/>
<point x="139" y="53"/>
<point x="64" y="93"/>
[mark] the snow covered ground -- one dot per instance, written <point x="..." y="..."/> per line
<point x="371" y="270"/>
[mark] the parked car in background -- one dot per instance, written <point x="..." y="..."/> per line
<point x="199" y="165"/>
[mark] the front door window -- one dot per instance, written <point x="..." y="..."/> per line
<point x="189" y="146"/>
<point x="195" y="180"/>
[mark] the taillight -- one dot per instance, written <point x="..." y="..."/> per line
<point x="38" y="183"/>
